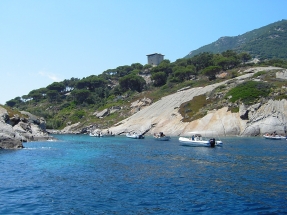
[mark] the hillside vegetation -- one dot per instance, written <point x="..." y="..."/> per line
<point x="78" y="100"/>
<point x="264" y="43"/>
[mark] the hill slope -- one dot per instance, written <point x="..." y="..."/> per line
<point x="100" y="101"/>
<point x="266" y="42"/>
<point x="165" y="114"/>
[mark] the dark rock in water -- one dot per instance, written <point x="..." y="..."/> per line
<point x="11" y="144"/>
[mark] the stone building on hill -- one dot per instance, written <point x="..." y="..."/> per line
<point x="154" y="59"/>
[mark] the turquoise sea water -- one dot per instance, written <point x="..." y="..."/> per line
<point x="79" y="174"/>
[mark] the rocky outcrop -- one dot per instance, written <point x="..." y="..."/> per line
<point x="75" y="128"/>
<point x="282" y="74"/>
<point x="246" y="113"/>
<point x="16" y="130"/>
<point x="107" y="111"/>
<point x="163" y="115"/>
<point x="258" y="69"/>
<point x="270" y="117"/>
<point x="9" y="139"/>
<point x="102" y="113"/>
<point x="40" y="121"/>
<point x="4" y="117"/>
<point x="71" y="129"/>
<point x="139" y="104"/>
<point x="243" y="112"/>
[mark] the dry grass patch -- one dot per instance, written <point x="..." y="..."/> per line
<point x="195" y="109"/>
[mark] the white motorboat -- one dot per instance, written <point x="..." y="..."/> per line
<point x="203" y="139"/>
<point x="274" y="137"/>
<point x="135" y="135"/>
<point x="97" y="134"/>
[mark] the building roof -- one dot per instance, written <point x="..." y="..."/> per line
<point x="154" y="54"/>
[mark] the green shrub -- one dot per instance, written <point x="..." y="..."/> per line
<point x="77" y="115"/>
<point x="248" y="92"/>
<point x="220" y="88"/>
<point x="194" y="109"/>
<point x="234" y="109"/>
<point x="53" y="124"/>
<point x="259" y="74"/>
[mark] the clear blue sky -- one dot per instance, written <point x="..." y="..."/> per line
<point x="42" y="41"/>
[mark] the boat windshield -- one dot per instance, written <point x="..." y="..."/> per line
<point x="203" y="133"/>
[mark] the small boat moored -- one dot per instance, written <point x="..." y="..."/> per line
<point x="274" y="136"/>
<point x="161" y="137"/>
<point x="97" y="134"/>
<point x="203" y="139"/>
<point x="134" y="135"/>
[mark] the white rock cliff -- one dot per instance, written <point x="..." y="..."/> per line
<point x="163" y="115"/>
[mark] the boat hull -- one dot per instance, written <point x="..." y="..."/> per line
<point x="96" y="135"/>
<point x="135" y="136"/>
<point x="198" y="143"/>
<point x="165" y="138"/>
<point x="274" y="137"/>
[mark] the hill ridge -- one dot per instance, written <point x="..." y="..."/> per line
<point x="271" y="37"/>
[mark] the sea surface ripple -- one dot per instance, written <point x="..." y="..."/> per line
<point x="78" y="174"/>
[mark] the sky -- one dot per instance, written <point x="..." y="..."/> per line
<point x="46" y="41"/>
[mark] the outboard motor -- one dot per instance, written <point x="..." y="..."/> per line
<point x="212" y="142"/>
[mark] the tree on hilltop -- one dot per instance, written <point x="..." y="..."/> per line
<point x="211" y="72"/>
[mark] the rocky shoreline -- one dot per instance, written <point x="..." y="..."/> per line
<point x="164" y="116"/>
<point x="253" y="120"/>
<point x="16" y="130"/>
